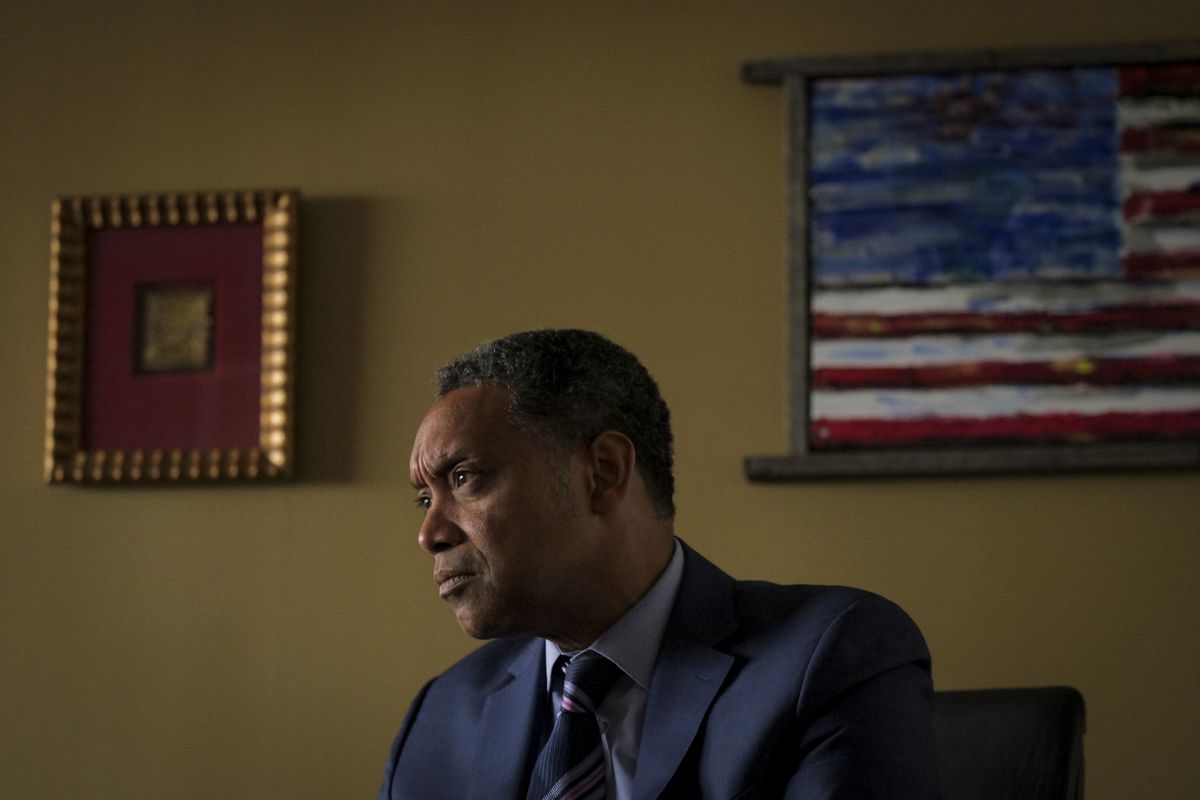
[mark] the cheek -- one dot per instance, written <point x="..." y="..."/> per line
<point x="511" y="550"/>
<point x="485" y="530"/>
<point x="523" y="541"/>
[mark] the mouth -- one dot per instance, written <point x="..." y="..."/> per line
<point x="449" y="581"/>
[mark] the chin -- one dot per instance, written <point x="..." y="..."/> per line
<point x="475" y="634"/>
<point x="478" y="629"/>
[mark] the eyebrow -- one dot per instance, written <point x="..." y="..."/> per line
<point x="442" y="466"/>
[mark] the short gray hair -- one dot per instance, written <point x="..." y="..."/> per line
<point x="571" y="385"/>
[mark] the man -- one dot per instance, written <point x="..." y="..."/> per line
<point x="544" y="473"/>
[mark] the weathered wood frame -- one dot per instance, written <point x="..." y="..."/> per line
<point x="795" y="75"/>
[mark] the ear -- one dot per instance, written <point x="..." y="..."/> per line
<point x="611" y="459"/>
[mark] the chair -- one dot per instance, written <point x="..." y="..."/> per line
<point x="1010" y="744"/>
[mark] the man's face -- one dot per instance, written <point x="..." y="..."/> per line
<point x="503" y="516"/>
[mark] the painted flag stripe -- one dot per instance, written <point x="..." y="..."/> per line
<point x="1162" y="266"/>
<point x="1135" y="178"/>
<point x="1138" y="317"/>
<point x="1001" y="401"/>
<point x="1164" y="237"/>
<point x="1072" y="428"/>
<point x="1160" y="79"/>
<point x="1182" y="137"/>
<point x="949" y="350"/>
<point x="1150" y="206"/>
<point x="1007" y="297"/>
<point x="1103" y="372"/>
<point x="1152" y="111"/>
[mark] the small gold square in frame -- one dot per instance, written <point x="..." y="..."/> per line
<point x="175" y="327"/>
<point x="172" y="338"/>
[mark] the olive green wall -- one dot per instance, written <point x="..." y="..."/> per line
<point x="470" y="169"/>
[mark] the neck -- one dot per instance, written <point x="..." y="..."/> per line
<point x="619" y="585"/>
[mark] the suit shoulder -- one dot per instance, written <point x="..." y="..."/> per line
<point x="823" y="618"/>
<point x="811" y="603"/>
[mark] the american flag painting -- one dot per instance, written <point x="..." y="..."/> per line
<point x="1004" y="256"/>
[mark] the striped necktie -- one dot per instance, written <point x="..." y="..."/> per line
<point x="571" y="765"/>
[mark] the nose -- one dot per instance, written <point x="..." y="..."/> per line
<point x="438" y="530"/>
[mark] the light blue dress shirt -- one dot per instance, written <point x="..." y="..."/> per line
<point x="632" y="644"/>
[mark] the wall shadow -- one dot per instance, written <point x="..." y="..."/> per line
<point x="335" y="233"/>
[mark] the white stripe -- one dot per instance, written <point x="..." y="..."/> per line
<point x="1161" y="240"/>
<point x="1136" y="112"/>
<point x="1056" y="298"/>
<point x="1162" y="179"/>
<point x="999" y="401"/>
<point x="1013" y="348"/>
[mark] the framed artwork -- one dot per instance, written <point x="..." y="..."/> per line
<point x="995" y="261"/>
<point x="172" y="337"/>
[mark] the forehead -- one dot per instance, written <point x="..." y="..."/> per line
<point x="464" y="422"/>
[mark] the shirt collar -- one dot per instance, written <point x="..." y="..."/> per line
<point x="632" y="642"/>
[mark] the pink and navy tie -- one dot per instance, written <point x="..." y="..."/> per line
<point x="571" y="765"/>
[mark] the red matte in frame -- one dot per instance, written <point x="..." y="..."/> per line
<point x="218" y="407"/>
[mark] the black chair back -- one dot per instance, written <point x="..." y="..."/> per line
<point x="1010" y="744"/>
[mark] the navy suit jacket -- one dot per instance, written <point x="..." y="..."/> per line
<point x="759" y="691"/>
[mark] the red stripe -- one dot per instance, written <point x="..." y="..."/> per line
<point x="1181" y="138"/>
<point x="1098" y="372"/>
<point x="1144" y="317"/>
<point x="1161" y="266"/>
<point x="1076" y="428"/>
<point x="1159" y="79"/>
<point x="1143" y="206"/>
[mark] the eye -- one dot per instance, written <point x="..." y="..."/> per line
<point x="460" y="477"/>
<point x="423" y="501"/>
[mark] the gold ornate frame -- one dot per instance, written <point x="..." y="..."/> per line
<point x="68" y="456"/>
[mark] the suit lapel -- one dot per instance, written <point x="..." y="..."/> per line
<point x="510" y="727"/>
<point x="688" y="674"/>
